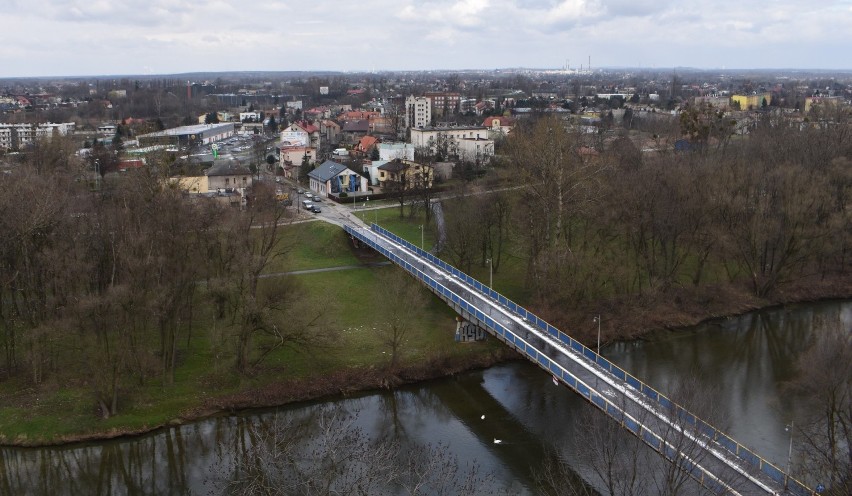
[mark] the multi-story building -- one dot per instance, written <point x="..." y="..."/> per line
<point x="429" y="136"/>
<point x="754" y="101"/>
<point x="13" y="136"/>
<point x="418" y="112"/>
<point x="444" y="103"/>
<point x="390" y="151"/>
<point x="469" y="143"/>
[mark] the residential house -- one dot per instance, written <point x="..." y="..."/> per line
<point x="316" y="113"/>
<point x="370" y="168"/>
<point x="228" y="174"/>
<point x="330" y="132"/>
<point x="301" y="133"/>
<point x="366" y="144"/>
<point x="499" y="126"/>
<point x="412" y="174"/>
<point x="354" y="130"/>
<point x="291" y="159"/>
<point x="334" y="178"/>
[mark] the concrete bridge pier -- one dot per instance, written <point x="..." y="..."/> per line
<point x="468" y="332"/>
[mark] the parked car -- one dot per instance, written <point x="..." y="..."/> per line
<point x="317" y="198"/>
<point x="307" y="204"/>
<point x="316" y="209"/>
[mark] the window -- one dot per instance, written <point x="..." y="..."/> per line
<point x="227" y="181"/>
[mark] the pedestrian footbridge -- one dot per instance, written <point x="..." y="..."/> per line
<point x="714" y="459"/>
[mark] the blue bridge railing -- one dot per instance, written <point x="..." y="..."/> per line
<point x="793" y="486"/>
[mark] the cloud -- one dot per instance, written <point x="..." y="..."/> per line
<point x="105" y="36"/>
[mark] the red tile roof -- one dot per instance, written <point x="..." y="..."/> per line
<point x="503" y="121"/>
<point x="366" y="143"/>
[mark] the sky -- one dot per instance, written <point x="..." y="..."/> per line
<point x="109" y="37"/>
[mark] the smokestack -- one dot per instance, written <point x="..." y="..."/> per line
<point x="590" y="63"/>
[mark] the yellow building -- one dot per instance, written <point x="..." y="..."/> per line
<point x="192" y="184"/>
<point x="747" y="102"/>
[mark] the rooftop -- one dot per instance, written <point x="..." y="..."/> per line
<point x="194" y="129"/>
<point x="326" y="171"/>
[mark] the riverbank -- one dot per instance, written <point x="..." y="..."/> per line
<point x="630" y="318"/>
<point x="622" y="320"/>
<point x="363" y="379"/>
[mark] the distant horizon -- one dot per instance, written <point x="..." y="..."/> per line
<point x="81" y="38"/>
<point x="555" y="71"/>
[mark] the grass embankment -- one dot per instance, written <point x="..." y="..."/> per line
<point x="205" y="383"/>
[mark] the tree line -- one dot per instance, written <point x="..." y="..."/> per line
<point x="760" y="212"/>
<point x="104" y="282"/>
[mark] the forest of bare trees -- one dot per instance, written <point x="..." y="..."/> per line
<point x="762" y="213"/>
<point x="107" y="282"/>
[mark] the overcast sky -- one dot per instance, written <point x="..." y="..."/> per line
<point x="93" y="37"/>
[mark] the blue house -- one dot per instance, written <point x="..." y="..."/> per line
<point x="333" y="178"/>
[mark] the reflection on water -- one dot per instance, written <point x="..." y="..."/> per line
<point x="749" y="356"/>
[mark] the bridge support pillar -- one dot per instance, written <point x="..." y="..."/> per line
<point x="468" y="332"/>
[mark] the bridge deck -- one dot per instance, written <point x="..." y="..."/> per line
<point x="704" y="453"/>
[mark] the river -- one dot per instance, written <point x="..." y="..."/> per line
<point x="746" y="359"/>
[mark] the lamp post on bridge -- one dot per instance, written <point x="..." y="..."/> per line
<point x="598" y="320"/>
<point x="421" y="236"/>
<point x="789" y="428"/>
<point x="490" y="273"/>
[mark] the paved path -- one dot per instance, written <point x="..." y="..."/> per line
<point x="326" y="269"/>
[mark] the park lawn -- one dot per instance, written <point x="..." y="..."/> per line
<point x="356" y="316"/>
<point x="510" y="277"/>
<point x="312" y="245"/>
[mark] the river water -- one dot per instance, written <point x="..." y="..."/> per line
<point x="745" y="359"/>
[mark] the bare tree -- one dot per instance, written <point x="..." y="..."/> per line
<point x="261" y="317"/>
<point x="398" y="290"/>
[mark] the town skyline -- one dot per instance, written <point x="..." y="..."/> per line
<point x="75" y="38"/>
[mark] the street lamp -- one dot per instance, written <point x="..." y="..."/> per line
<point x="598" y="320"/>
<point x="490" y="273"/>
<point x="421" y="236"/>
<point x="789" y="428"/>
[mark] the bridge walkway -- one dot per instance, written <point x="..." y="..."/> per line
<point x="706" y="454"/>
